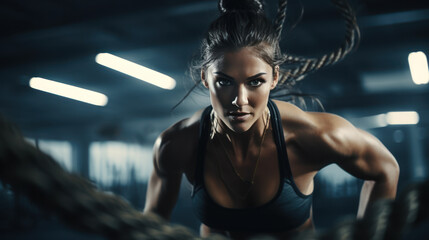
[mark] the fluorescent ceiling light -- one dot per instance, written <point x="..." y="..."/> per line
<point x="68" y="91"/>
<point x="368" y="122"/>
<point x="418" y="67"/>
<point x="135" y="70"/>
<point x="402" y="118"/>
<point x="385" y="119"/>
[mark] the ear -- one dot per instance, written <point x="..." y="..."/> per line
<point x="203" y="78"/>
<point x="275" y="77"/>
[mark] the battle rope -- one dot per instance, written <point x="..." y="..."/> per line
<point x="307" y="65"/>
<point x="74" y="199"/>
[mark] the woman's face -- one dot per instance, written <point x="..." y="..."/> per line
<point x="239" y="83"/>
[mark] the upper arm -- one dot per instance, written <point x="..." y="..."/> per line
<point x="335" y="140"/>
<point x="370" y="159"/>
<point x="169" y="160"/>
<point x="163" y="188"/>
<point x="357" y="151"/>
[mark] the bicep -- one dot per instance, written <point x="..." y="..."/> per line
<point x="356" y="151"/>
<point x="370" y="159"/>
<point x="333" y="139"/>
<point x="164" y="183"/>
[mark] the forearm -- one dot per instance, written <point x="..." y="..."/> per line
<point x="162" y="194"/>
<point x="376" y="190"/>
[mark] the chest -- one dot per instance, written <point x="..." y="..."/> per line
<point x="242" y="181"/>
<point x="229" y="180"/>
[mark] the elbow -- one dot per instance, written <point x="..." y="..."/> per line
<point x="392" y="171"/>
<point x="389" y="178"/>
<point x="387" y="168"/>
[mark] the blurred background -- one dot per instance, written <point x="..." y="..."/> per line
<point x="111" y="142"/>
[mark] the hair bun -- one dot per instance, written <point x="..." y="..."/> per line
<point x="241" y="5"/>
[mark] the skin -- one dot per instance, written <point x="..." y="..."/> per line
<point x="239" y="84"/>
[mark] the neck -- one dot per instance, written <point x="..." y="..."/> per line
<point x="241" y="142"/>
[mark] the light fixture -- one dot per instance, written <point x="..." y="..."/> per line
<point x="69" y="91"/>
<point x="402" y="118"/>
<point x="135" y="70"/>
<point x="386" y="119"/>
<point x="418" y="67"/>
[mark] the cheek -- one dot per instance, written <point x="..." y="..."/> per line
<point x="260" y="94"/>
<point x="220" y="92"/>
<point x="220" y="96"/>
<point x="259" y="99"/>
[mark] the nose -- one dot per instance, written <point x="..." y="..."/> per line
<point x="241" y="97"/>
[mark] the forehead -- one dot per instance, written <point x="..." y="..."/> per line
<point x="244" y="60"/>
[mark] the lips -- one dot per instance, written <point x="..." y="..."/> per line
<point x="238" y="116"/>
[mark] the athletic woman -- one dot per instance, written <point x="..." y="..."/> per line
<point x="252" y="160"/>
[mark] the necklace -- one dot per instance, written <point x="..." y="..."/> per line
<point x="214" y="132"/>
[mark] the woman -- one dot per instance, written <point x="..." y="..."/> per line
<point x="252" y="160"/>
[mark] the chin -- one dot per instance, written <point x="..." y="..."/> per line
<point x="240" y="127"/>
<point x="239" y="130"/>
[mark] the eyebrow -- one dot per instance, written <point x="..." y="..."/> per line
<point x="231" y="78"/>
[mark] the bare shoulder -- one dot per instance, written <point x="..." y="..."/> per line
<point x="175" y="147"/>
<point x="324" y="135"/>
<point x="293" y="118"/>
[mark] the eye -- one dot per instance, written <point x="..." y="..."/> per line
<point x="256" y="82"/>
<point x="224" y="82"/>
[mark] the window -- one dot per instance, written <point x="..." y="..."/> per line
<point x="61" y="151"/>
<point x="120" y="163"/>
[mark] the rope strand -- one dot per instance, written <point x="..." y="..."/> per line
<point x="308" y="65"/>
<point x="280" y="19"/>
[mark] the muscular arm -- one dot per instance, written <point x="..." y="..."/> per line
<point x="171" y="156"/>
<point x="164" y="183"/>
<point x="334" y="140"/>
<point x="376" y="165"/>
<point x="174" y="151"/>
<point x="162" y="193"/>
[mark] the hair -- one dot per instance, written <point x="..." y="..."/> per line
<point x="243" y="23"/>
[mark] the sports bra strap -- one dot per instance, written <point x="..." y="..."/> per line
<point x="202" y="143"/>
<point x="276" y="122"/>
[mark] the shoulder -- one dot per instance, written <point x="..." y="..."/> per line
<point x="175" y="147"/>
<point x="325" y="135"/>
<point x="326" y="138"/>
<point x="181" y="130"/>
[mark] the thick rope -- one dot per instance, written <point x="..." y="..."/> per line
<point x="307" y="65"/>
<point x="75" y="200"/>
<point x="280" y="18"/>
<point x="385" y="219"/>
<point x="80" y="204"/>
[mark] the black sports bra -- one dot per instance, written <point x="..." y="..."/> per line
<point x="286" y="211"/>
